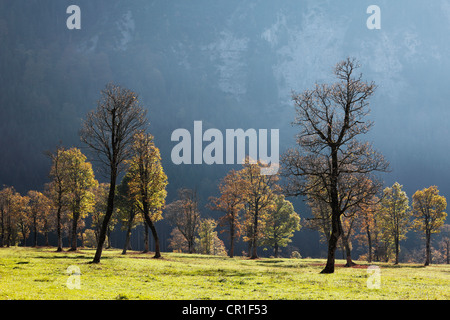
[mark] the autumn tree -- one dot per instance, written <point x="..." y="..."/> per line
<point x="57" y="189"/>
<point x="109" y="132"/>
<point x="445" y="232"/>
<point x="148" y="182"/>
<point x="100" y="199"/>
<point x="321" y="217"/>
<point x="39" y="211"/>
<point x="367" y="226"/>
<point x="259" y="190"/>
<point x="331" y="119"/>
<point x="7" y="224"/>
<point x="395" y="216"/>
<point x="208" y="241"/>
<point x="231" y="203"/>
<point x="185" y="216"/>
<point x="429" y="216"/>
<point x="177" y="242"/>
<point x="127" y="210"/>
<point x="279" y="224"/>
<point x="80" y="181"/>
<point x="21" y="215"/>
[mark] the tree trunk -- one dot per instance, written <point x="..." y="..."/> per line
<point x="128" y="236"/>
<point x="397" y="249"/>
<point x="428" y="248"/>
<point x="58" y="226"/>
<point x="348" y="252"/>
<point x="150" y="224"/>
<point x="335" y="213"/>
<point x="448" y="258"/>
<point x="332" y="244"/>
<point x="108" y="214"/>
<point x="255" y="234"/>
<point x="146" y="247"/>
<point x="108" y="237"/>
<point x="35" y="231"/>
<point x="369" y="244"/>
<point x="231" y="253"/>
<point x="74" y="232"/>
<point x="276" y="250"/>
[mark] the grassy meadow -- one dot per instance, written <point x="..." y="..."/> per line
<point x="41" y="273"/>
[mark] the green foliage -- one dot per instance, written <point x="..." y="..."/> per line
<point x="395" y="216"/>
<point x="279" y="224"/>
<point x="395" y="212"/>
<point x="208" y="242"/>
<point x="428" y="210"/>
<point x="80" y="181"/>
<point x="147" y="181"/>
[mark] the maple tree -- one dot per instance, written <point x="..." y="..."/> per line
<point x="57" y="190"/>
<point x="259" y="191"/>
<point x="279" y="224"/>
<point x="331" y="118"/>
<point x="231" y="203"/>
<point x="429" y="216"/>
<point x="395" y="216"/>
<point x="80" y="181"/>
<point x="39" y="212"/>
<point x="148" y="182"/>
<point x="185" y="216"/>
<point x="109" y="132"/>
<point x="127" y="210"/>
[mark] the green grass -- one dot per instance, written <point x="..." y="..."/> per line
<point x="30" y="273"/>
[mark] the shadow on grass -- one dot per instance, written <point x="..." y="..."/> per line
<point x="69" y="256"/>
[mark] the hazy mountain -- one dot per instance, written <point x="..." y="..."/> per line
<point x="231" y="64"/>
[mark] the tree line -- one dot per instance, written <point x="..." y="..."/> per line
<point x="331" y="167"/>
<point x="383" y="222"/>
<point x="338" y="172"/>
<point x="251" y="203"/>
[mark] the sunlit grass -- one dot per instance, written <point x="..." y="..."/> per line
<point x="29" y="273"/>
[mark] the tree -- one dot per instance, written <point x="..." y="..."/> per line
<point x="231" y="202"/>
<point x="185" y="216"/>
<point x="148" y="182"/>
<point x="446" y="241"/>
<point x="279" y="224"/>
<point x="366" y="223"/>
<point x="80" y="181"/>
<point x="57" y="189"/>
<point x="39" y="208"/>
<point x="395" y="216"/>
<point x="428" y="211"/>
<point x="259" y="193"/>
<point x="98" y="212"/>
<point x="177" y="242"/>
<point x="347" y="226"/>
<point x="208" y="241"/>
<point x="127" y="210"/>
<point x="321" y="217"/>
<point x="100" y="199"/>
<point x="6" y="207"/>
<point x="109" y="132"/>
<point x="21" y="216"/>
<point x="331" y="119"/>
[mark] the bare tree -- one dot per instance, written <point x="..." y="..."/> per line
<point x="109" y="132"/>
<point x="331" y="118"/>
